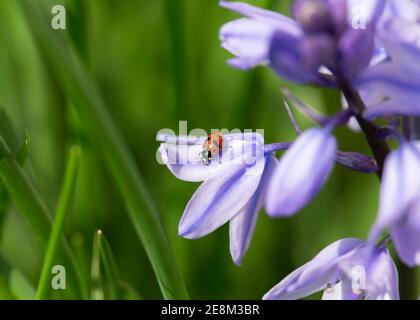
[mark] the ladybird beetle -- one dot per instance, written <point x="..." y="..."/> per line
<point x="213" y="145"/>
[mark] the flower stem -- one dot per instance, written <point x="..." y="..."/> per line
<point x="380" y="148"/>
<point x="279" y="146"/>
<point x="60" y="218"/>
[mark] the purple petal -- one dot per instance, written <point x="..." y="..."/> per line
<point x="392" y="107"/>
<point x="400" y="39"/>
<point x="220" y="198"/>
<point x="373" y="272"/>
<point x="184" y="162"/>
<point x="392" y="81"/>
<point x="400" y="184"/>
<point x="406" y="236"/>
<point x="340" y="291"/>
<point x="299" y="58"/>
<point x="249" y="40"/>
<point x="303" y="171"/>
<point x="181" y="140"/>
<point x="242" y="226"/>
<point x="407" y="9"/>
<point x="382" y="278"/>
<point x="314" y="275"/>
<point x="182" y="154"/>
<point x="271" y="18"/>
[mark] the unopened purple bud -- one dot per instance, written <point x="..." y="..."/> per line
<point x="321" y="15"/>
<point x="313" y="15"/>
<point x="355" y="50"/>
<point x="356" y="161"/>
<point x="339" y="12"/>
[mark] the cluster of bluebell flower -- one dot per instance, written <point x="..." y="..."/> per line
<point x="370" y="51"/>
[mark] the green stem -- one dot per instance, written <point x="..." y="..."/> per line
<point x="101" y="128"/>
<point x="63" y="208"/>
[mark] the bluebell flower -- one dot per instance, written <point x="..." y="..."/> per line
<point x="302" y="172"/>
<point x="320" y="36"/>
<point x="233" y="187"/>
<point x="399" y="207"/>
<point x="348" y="269"/>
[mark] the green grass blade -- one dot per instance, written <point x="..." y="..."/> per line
<point x="7" y="131"/>
<point x="102" y="130"/>
<point x="77" y="14"/>
<point x="107" y="284"/>
<point x="97" y="291"/>
<point x="111" y="270"/>
<point x="60" y="217"/>
<point x="82" y="259"/>
<point x="31" y="205"/>
<point x="20" y="287"/>
<point x="24" y="194"/>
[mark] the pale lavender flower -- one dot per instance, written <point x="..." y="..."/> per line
<point x="233" y="187"/>
<point x="399" y="208"/>
<point x="321" y="36"/>
<point x="348" y="269"/>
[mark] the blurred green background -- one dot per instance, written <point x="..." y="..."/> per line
<point x="156" y="63"/>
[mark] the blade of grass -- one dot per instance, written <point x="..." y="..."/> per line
<point x="5" y="292"/>
<point x="77" y="13"/>
<point x="97" y="291"/>
<point x="20" y="287"/>
<point x="31" y="205"/>
<point x="82" y="258"/>
<point x="111" y="270"/>
<point x="24" y="194"/>
<point x="60" y="217"/>
<point x="7" y="131"/>
<point x="101" y="128"/>
<point x="109" y="285"/>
